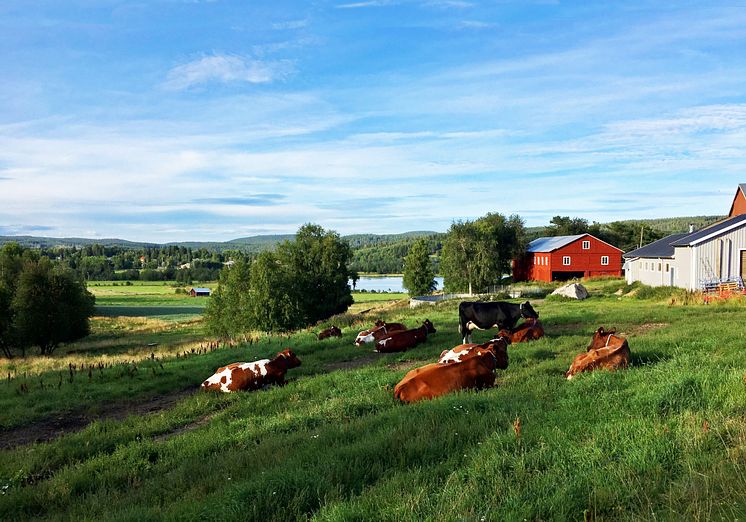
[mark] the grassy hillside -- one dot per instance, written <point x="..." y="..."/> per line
<point x="664" y="439"/>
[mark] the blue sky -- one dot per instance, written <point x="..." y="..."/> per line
<point x="209" y="119"/>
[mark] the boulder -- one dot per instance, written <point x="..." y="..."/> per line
<point x="572" y="290"/>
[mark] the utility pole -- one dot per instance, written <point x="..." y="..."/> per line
<point x="642" y="228"/>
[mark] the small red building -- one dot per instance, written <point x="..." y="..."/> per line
<point x="738" y="207"/>
<point x="567" y="257"/>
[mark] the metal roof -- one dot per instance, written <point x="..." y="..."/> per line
<point x="550" y="244"/>
<point x="201" y="289"/>
<point x="661" y="248"/>
<point x="712" y="231"/>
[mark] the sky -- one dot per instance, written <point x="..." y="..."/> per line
<point x="176" y="120"/>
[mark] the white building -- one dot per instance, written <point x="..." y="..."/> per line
<point x="695" y="260"/>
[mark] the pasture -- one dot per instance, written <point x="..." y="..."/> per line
<point x="664" y="439"/>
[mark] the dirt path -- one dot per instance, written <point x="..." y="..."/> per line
<point x="52" y="427"/>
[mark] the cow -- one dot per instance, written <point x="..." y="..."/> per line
<point x="607" y="351"/>
<point x="529" y="330"/>
<point x="254" y="375"/>
<point x="463" y="351"/>
<point x="379" y="331"/>
<point x="483" y="316"/>
<point x="600" y="338"/>
<point x="434" y="380"/>
<point x="401" y="341"/>
<point x="333" y="331"/>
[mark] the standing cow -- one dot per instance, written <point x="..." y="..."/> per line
<point x="484" y="316"/>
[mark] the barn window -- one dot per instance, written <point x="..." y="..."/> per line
<point x="666" y="267"/>
<point x="604" y="260"/>
<point x="566" y="260"/>
<point x="586" y="245"/>
<point x="660" y="267"/>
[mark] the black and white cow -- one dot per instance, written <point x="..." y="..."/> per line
<point x="483" y="316"/>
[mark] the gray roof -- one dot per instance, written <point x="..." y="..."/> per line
<point x="711" y="231"/>
<point x="201" y="289"/>
<point x="665" y="247"/>
<point x="550" y="244"/>
<point x="661" y="248"/>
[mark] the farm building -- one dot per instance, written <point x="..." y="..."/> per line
<point x="738" y="206"/>
<point x="199" y="292"/>
<point x="566" y="257"/>
<point x="697" y="260"/>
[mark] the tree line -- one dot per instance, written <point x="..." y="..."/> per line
<point x="41" y="304"/>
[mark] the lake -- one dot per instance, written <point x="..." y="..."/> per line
<point x="386" y="283"/>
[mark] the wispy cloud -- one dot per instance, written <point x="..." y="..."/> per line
<point x="290" y="24"/>
<point x="367" y="3"/>
<point x="226" y="68"/>
<point x="256" y="200"/>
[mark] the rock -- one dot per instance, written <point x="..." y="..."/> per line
<point x="572" y="290"/>
<point x="619" y="292"/>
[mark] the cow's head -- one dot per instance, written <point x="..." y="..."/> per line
<point x="335" y="332"/>
<point x="499" y="348"/>
<point x="600" y="338"/>
<point x="428" y="326"/>
<point x="527" y="311"/>
<point x="380" y="323"/>
<point x="289" y="357"/>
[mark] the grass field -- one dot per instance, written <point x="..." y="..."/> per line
<point x="665" y="439"/>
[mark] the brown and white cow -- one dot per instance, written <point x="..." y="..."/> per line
<point x="462" y="352"/>
<point x="606" y="351"/>
<point x="600" y="338"/>
<point x="379" y="331"/>
<point x="434" y="380"/>
<point x="530" y="330"/>
<point x="254" y="375"/>
<point x="402" y="341"/>
<point x="332" y="331"/>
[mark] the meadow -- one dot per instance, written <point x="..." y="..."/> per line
<point x="665" y="439"/>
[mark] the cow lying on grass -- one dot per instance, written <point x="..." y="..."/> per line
<point x="463" y="351"/>
<point x="379" y="331"/>
<point x="332" y="331"/>
<point x="484" y="316"/>
<point x="402" y="341"/>
<point x="606" y="350"/>
<point x="476" y="370"/>
<point x="530" y="330"/>
<point x="253" y="375"/>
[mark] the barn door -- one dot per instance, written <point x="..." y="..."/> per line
<point x="743" y="265"/>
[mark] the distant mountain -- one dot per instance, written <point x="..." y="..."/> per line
<point x="50" y="242"/>
<point x="357" y="241"/>
<point x="246" y="244"/>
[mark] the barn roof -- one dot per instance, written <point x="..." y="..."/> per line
<point x="550" y="244"/>
<point x="201" y="289"/>
<point x="712" y="231"/>
<point x="661" y="248"/>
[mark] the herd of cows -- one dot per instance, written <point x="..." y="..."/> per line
<point x="465" y="366"/>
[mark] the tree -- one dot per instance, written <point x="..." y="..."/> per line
<point x="478" y="253"/>
<point x="566" y="226"/>
<point x="419" y="277"/>
<point x="228" y="312"/>
<point x="304" y="281"/>
<point x="49" y="307"/>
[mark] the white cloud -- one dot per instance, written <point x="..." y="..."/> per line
<point x="226" y="68"/>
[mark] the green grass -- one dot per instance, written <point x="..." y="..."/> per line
<point x="665" y="439"/>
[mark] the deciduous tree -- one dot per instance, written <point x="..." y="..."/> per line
<point x="419" y="277"/>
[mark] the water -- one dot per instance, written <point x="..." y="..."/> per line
<point x="386" y="284"/>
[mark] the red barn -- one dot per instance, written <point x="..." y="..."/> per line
<point x="567" y="257"/>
